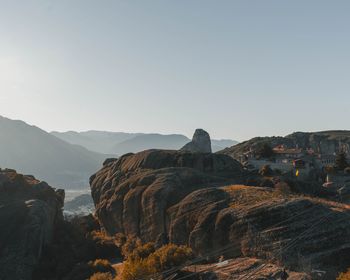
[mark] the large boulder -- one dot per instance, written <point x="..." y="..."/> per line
<point x="200" y="143"/>
<point x="186" y="198"/>
<point x="29" y="210"/>
<point x="133" y="193"/>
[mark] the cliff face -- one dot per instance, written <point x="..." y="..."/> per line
<point x="327" y="142"/>
<point x="132" y="194"/>
<point x="28" y="212"/>
<point x="200" y="143"/>
<point x="169" y="196"/>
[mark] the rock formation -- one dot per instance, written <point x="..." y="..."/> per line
<point x="29" y="210"/>
<point x="133" y="193"/>
<point x="200" y="143"/>
<point x="326" y="142"/>
<point x="179" y="197"/>
<point x="240" y="268"/>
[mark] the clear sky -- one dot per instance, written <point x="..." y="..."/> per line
<point x="235" y="68"/>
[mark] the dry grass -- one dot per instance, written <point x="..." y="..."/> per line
<point x="344" y="276"/>
<point x="246" y="197"/>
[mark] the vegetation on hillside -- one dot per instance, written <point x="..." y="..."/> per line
<point x="145" y="260"/>
<point x="344" y="276"/>
<point x="77" y="252"/>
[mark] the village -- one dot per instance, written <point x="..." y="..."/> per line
<point x="331" y="169"/>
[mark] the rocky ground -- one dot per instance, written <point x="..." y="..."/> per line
<point x="239" y="268"/>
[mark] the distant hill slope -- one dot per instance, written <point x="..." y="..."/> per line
<point x="120" y="143"/>
<point x="150" y="141"/>
<point x="98" y="141"/>
<point x="31" y="150"/>
<point x="325" y="142"/>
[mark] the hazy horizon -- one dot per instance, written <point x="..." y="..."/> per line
<point x="237" y="69"/>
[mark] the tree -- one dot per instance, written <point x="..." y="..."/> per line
<point x="264" y="151"/>
<point x="265" y="170"/>
<point x="341" y="161"/>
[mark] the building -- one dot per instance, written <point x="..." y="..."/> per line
<point x="284" y="154"/>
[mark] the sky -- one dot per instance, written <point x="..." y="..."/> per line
<point x="238" y="69"/>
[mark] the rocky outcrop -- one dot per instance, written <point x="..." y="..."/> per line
<point x="186" y="198"/>
<point x="301" y="233"/>
<point x="133" y="193"/>
<point x="200" y="143"/>
<point x="240" y="268"/>
<point x="29" y="210"/>
<point x="326" y="142"/>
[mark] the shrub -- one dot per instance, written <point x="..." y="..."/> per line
<point x="130" y="245"/>
<point x="283" y="188"/>
<point x="170" y="256"/>
<point x="267" y="183"/>
<point x="101" y="276"/>
<point x="264" y="151"/>
<point x="341" y="161"/>
<point x="142" y="251"/>
<point x="329" y="169"/>
<point x="265" y="170"/>
<point x="106" y="246"/>
<point x="75" y="243"/>
<point x="344" y="276"/>
<point x="142" y="263"/>
<point x="137" y="269"/>
<point x="101" y="265"/>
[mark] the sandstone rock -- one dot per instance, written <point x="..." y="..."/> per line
<point x="240" y="268"/>
<point x="131" y="195"/>
<point x="179" y="197"/>
<point x="200" y="143"/>
<point x="325" y="142"/>
<point x="29" y="210"/>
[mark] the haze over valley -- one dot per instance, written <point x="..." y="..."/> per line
<point x="68" y="159"/>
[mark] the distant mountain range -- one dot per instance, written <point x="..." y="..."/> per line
<point x="68" y="159"/>
<point x="32" y="150"/>
<point x="120" y="143"/>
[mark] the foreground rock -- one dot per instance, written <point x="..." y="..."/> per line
<point x="200" y="143"/>
<point x="29" y="210"/>
<point x="240" y="268"/>
<point x="177" y="197"/>
<point x="132" y="194"/>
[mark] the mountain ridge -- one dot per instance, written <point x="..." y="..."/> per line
<point x="120" y="143"/>
<point x="31" y="150"/>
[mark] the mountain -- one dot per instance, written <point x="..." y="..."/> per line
<point x="150" y="141"/>
<point x="31" y="150"/>
<point x="323" y="142"/>
<point x="98" y="141"/>
<point x="120" y="143"/>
